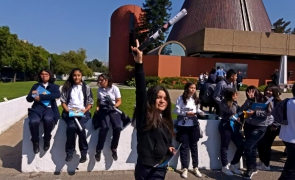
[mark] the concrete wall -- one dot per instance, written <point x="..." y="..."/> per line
<point x="54" y="159"/>
<point x="12" y="111"/>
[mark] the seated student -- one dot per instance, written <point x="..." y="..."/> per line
<point x="255" y="126"/>
<point x="188" y="127"/>
<point x="107" y="115"/>
<point x="228" y="109"/>
<point x="153" y="123"/>
<point x="76" y="95"/>
<point x="49" y="114"/>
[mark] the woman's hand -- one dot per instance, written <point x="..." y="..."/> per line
<point x="138" y="56"/>
<point x="37" y="98"/>
<point x="190" y="114"/>
<point x="251" y="93"/>
<point x="250" y="112"/>
<point x="34" y="92"/>
<point x="172" y="150"/>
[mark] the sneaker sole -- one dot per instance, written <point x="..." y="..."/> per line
<point x="251" y="175"/>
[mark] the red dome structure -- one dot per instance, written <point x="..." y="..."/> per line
<point x="123" y="23"/>
<point x="246" y="15"/>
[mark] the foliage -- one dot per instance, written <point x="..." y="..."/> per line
<point x="129" y="68"/>
<point x="281" y="26"/>
<point x="167" y="82"/>
<point x="97" y="66"/>
<point x="243" y="87"/>
<point x="261" y="88"/>
<point x="155" y="13"/>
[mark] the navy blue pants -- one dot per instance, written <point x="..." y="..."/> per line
<point x="189" y="137"/>
<point x="107" y="118"/>
<point x="143" y="172"/>
<point x="72" y="130"/>
<point x="289" y="168"/>
<point x="35" y="117"/>
<point x="253" y="134"/>
<point x="227" y="135"/>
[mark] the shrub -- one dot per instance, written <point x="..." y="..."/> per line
<point x="261" y="88"/>
<point x="243" y="87"/>
<point x="152" y="80"/>
<point x="130" y="82"/>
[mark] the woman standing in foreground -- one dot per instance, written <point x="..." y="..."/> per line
<point x="153" y="123"/>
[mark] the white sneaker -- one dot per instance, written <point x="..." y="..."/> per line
<point x="184" y="173"/>
<point x="263" y="167"/>
<point x="235" y="169"/>
<point x="197" y="172"/>
<point x="226" y="170"/>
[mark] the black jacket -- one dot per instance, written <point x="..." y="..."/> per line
<point x="38" y="107"/>
<point x="152" y="145"/>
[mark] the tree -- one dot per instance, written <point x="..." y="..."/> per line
<point x="97" y="66"/>
<point x="155" y="13"/>
<point x="66" y="61"/>
<point x="281" y="26"/>
<point x="293" y="31"/>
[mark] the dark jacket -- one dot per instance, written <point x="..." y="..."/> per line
<point x="152" y="145"/>
<point x="38" y="107"/>
<point x="275" y="78"/>
<point x="280" y="112"/>
<point x="226" y="112"/>
<point x="239" y="78"/>
<point x="219" y="90"/>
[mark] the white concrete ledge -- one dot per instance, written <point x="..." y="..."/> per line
<point x="12" y="111"/>
<point x="54" y="159"/>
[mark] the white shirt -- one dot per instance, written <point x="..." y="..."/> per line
<point x="77" y="98"/>
<point x="181" y="109"/>
<point x="45" y="85"/>
<point x="113" y="92"/>
<point x="287" y="132"/>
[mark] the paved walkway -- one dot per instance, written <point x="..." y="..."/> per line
<point x="10" y="160"/>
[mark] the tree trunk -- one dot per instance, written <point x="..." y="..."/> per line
<point x="14" y="77"/>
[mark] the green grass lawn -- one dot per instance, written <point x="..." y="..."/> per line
<point x="13" y="90"/>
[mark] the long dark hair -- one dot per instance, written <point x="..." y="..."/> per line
<point x="51" y="76"/>
<point x="275" y="92"/>
<point x="186" y="92"/>
<point x="228" y="96"/>
<point x="70" y="81"/>
<point x="154" y="119"/>
<point x="106" y="76"/>
<point x="258" y="96"/>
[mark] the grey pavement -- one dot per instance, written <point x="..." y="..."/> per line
<point x="10" y="160"/>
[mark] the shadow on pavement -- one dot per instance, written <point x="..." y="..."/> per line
<point x="11" y="157"/>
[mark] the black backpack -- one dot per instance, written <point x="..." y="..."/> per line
<point x="208" y="94"/>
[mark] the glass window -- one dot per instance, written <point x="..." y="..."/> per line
<point x="173" y="49"/>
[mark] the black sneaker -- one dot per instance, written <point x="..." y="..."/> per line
<point x="69" y="157"/>
<point x="46" y="145"/>
<point x="114" y="155"/>
<point x="36" y="147"/>
<point x="249" y="174"/>
<point x="83" y="159"/>
<point x="97" y="156"/>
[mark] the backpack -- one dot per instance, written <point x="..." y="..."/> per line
<point x="208" y="94"/>
<point x="279" y="113"/>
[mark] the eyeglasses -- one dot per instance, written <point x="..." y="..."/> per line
<point x="43" y="74"/>
<point x="101" y="80"/>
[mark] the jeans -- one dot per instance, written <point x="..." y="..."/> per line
<point x="189" y="137"/>
<point x="226" y="135"/>
<point x="253" y="134"/>
<point x="47" y="117"/>
<point x="289" y="168"/>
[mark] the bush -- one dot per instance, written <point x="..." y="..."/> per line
<point x="243" y="87"/>
<point x="152" y="81"/>
<point x="130" y="82"/>
<point x="261" y="88"/>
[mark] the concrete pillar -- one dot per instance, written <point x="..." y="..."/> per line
<point x="283" y="70"/>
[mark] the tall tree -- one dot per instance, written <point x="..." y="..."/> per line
<point x="154" y="14"/>
<point x="97" y="66"/>
<point x="281" y="26"/>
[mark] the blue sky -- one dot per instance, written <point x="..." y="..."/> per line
<point x="60" y="25"/>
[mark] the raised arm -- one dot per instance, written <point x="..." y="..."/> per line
<point x="141" y="97"/>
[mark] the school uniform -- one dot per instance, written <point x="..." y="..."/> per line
<point x="108" y="116"/>
<point x="227" y="134"/>
<point x="49" y="115"/>
<point x="254" y="129"/>
<point x="188" y="131"/>
<point x="79" y="96"/>
<point x="152" y="145"/>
